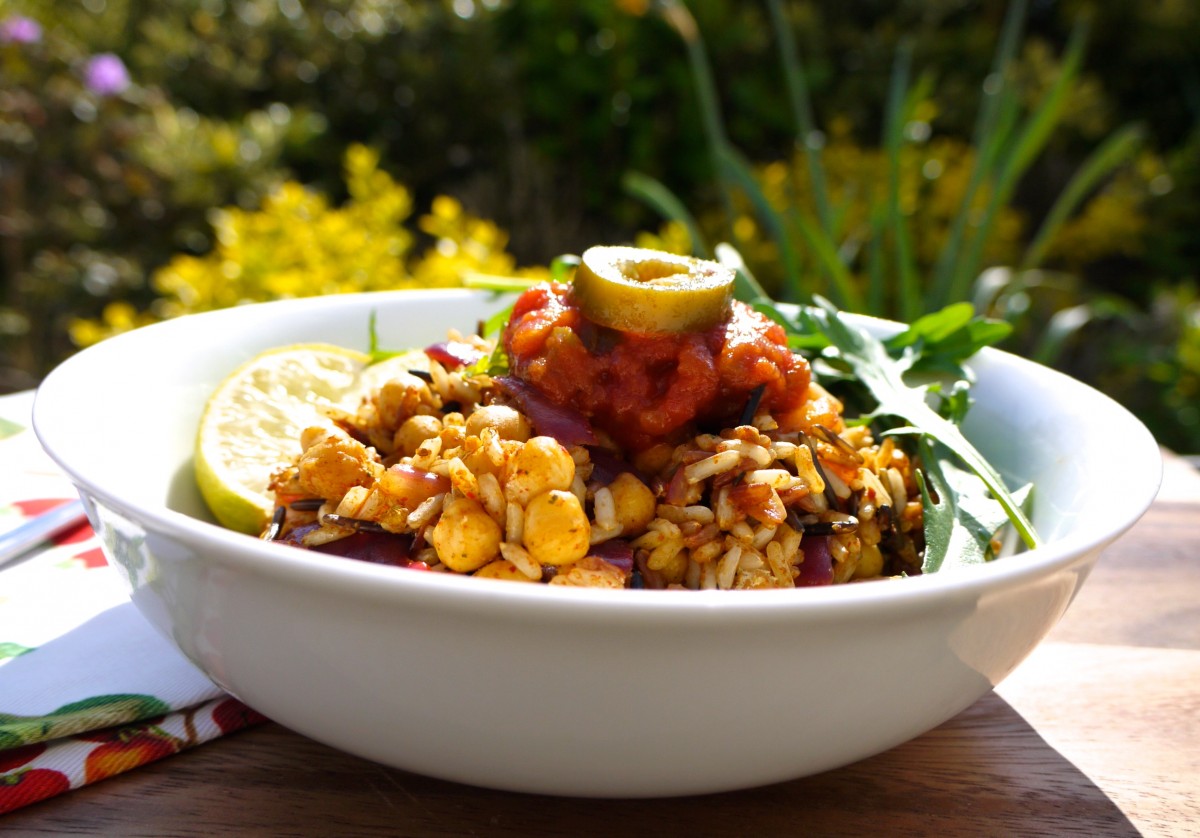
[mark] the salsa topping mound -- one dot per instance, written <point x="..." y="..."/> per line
<point x="643" y="388"/>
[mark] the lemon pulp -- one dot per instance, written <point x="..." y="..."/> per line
<point x="252" y="422"/>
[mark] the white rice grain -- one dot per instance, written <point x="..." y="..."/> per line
<point x="711" y="466"/>
<point x="521" y="559"/>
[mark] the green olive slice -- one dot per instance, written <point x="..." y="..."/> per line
<point x="638" y="290"/>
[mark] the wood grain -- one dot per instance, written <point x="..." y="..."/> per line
<point x="1096" y="734"/>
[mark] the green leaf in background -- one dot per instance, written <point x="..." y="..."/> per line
<point x="745" y="286"/>
<point x="1027" y="144"/>
<point x="986" y="138"/>
<point x="1113" y="152"/>
<point x="738" y="172"/>
<point x="661" y="199"/>
<point x="793" y="74"/>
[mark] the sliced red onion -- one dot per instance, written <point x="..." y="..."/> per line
<point x="409" y="485"/>
<point x="377" y="548"/>
<point x="677" y="488"/>
<point x="567" y="425"/>
<point x="817" y="567"/>
<point x="607" y="466"/>
<point x="615" y="551"/>
<point x="374" y="547"/>
<point x="454" y="353"/>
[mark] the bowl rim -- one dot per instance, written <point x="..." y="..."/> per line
<point x="338" y="574"/>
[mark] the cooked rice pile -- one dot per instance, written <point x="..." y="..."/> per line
<point x="449" y="463"/>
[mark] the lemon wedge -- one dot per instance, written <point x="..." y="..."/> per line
<point x="252" y="422"/>
<point x="638" y="290"/>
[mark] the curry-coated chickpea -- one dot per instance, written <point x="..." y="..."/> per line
<point x="509" y="423"/>
<point x="466" y="538"/>
<point x="399" y="397"/>
<point x="634" y="502"/>
<point x="556" y="528"/>
<point x="333" y="463"/>
<point x="541" y="464"/>
<point x="414" y="431"/>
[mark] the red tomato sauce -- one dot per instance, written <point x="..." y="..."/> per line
<point x="647" y="388"/>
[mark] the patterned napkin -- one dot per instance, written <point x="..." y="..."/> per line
<point x="88" y="688"/>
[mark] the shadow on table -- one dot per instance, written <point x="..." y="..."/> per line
<point x="985" y="772"/>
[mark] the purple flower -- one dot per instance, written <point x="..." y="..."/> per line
<point x="105" y="74"/>
<point x="20" y="30"/>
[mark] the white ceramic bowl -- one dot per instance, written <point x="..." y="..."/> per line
<point x="568" y="691"/>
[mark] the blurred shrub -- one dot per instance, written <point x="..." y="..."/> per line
<point x="102" y="179"/>
<point x="917" y="223"/>
<point x="299" y="245"/>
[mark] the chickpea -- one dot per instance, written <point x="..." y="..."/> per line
<point x="556" y="528"/>
<point x="333" y="463"/>
<point x="466" y="538"/>
<point x="509" y="423"/>
<point x="502" y="569"/>
<point x="634" y="502"/>
<point x="414" y="431"/>
<point x="540" y="465"/>
<point x="656" y="459"/>
<point x="400" y="397"/>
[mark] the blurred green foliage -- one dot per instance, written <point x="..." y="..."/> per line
<point x="530" y="112"/>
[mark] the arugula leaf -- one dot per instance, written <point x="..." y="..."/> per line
<point x="947" y="338"/>
<point x="961" y="516"/>
<point x="883" y="376"/>
<point x="494" y="364"/>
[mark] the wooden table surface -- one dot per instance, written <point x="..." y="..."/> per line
<point x="1096" y="733"/>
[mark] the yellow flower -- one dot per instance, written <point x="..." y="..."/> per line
<point x="297" y="245"/>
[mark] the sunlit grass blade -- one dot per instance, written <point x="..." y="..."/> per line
<point x="908" y="293"/>
<point x="984" y="133"/>
<point x="663" y="201"/>
<point x="1029" y="142"/>
<point x="1062" y="326"/>
<point x="843" y="289"/>
<point x="739" y="173"/>
<point x="876" y="278"/>
<point x="680" y="18"/>
<point x="1113" y="152"/>
<point x="793" y="73"/>
<point x="1045" y="119"/>
<point x="746" y="286"/>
